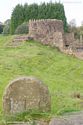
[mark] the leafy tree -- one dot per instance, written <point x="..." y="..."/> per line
<point x="1" y="27"/>
<point x="7" y="22"/>
<point x="35" y="11"/>
<point x="17" y="17"/>
<point x="72" y="23"/>
<point x="42" y="11"/>
<point x="6" y="29"/>
<point x="72" y="27"/>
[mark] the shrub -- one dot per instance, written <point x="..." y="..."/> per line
<point x="1" y="28"/>
<point x="22" y="29"/>
<point x="6" y="30"/>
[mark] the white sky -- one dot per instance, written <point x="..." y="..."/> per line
<point x="73" y="8"/>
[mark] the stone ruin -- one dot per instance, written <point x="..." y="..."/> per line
<point x="24" y="94"/>
<point x="51" y="32"/>
<point x="47" y="31"/>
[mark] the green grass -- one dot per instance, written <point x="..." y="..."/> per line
<point x="63" y="74"/>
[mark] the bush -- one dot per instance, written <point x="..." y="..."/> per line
<point x="22" y="29"/>
<point x="6" y="30"/>
<point x="1" y="28"/>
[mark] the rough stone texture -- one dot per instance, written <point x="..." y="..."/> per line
<point x="69" y="39"/>
<point x="26" y="93"/>
<point x="48" y="31"/>
<point x="58" y="121"/>
<point x="73" y="119"/>
<point x="46" y="25"/>
<point x="22" y="38"/>
<point x="41" y="122"/>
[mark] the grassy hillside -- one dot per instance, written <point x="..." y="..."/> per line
<point x="62" y="73"/>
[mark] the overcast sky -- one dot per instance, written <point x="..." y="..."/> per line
<point x="73" y="8"/>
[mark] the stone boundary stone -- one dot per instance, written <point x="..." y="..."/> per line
<point x="26" y="93"/>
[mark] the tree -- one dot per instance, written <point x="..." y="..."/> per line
<point x="1" y="27"/>
<point x="17" y="17"/>
<point x="24" y="13"/>
<point x="42" y="11"/>
<point x="6" y="29"/>
<point x="7" y="22"/>
<point x="30" y="11"/>
<point x="72" y="23"/>
<point x="73" y="28"/>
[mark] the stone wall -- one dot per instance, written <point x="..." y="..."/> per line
<point x="51" y="32"/>
<point x="48" y="31"/>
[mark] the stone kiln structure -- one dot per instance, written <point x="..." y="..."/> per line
<point x="48" y="31"/>
<point x="26" y="93"/>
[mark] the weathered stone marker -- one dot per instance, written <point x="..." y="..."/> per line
<point x="24" y="94"/>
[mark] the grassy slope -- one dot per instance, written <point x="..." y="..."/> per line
<point x="63" y="74"/>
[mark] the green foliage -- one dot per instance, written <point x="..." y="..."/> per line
<point x="80" y="31"/>
<point x="22" y="29"/>
<point x="6" y="29"/>
<point x="1" y="28"/>
<point x="76" y="30"/>
<point x="17" y="17"/>
<point x="34" y="11"/>
<point x="30" y="11"/>
<point x="42" y="11"/>
<point x="28" y="116"/>
<point x="7" y="22"/>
